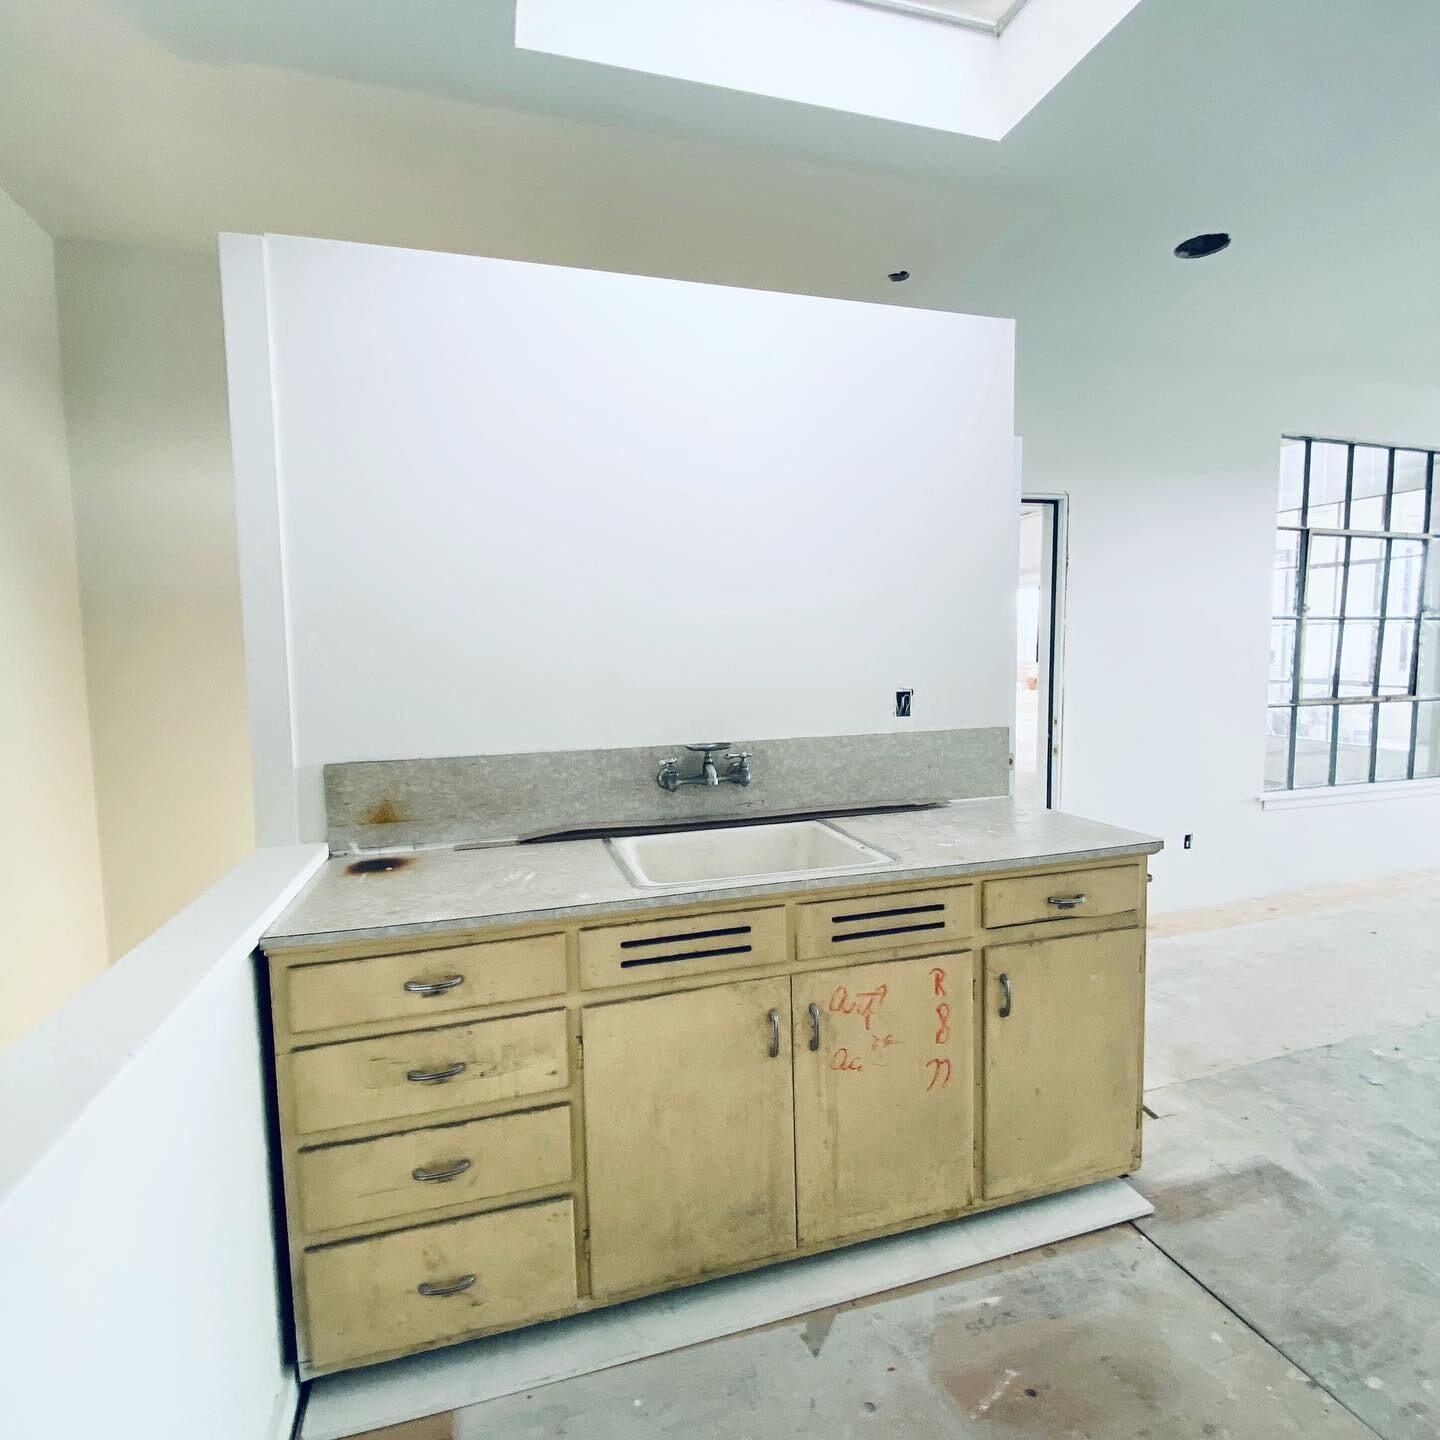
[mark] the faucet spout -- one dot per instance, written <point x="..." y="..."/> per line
<point x="668" y="777"/>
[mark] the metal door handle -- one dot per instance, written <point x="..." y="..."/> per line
<point x="453" y="1288"/>
<point x="1008" y="1003"/>
<point x="436" y="1077"/>
<point x="433" y="987"/>
<point x="774" y="1033"/>
<point x="1065" y="902"/>
<point x="427" y="1176"/>
<point x="814" y="1026"/>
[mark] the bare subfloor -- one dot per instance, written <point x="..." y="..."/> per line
<point x="1288" y="1283"/>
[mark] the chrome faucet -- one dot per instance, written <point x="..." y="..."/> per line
<point x="737" y="772"/>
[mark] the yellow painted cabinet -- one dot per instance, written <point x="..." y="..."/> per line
<point x="689" y="1134"/>
<point x="884" y="1094"/>
<point x="1062" y="1036"/>
<point x="524" y="1125"/>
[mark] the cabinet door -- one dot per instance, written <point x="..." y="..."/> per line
<point x="884" y="1094"/>
<point x="689" y="1134"/>
<point x="1062" y="1060"/>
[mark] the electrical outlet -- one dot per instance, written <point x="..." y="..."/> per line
<point x="1189" y="841"/>
<point x="902" y="703"/>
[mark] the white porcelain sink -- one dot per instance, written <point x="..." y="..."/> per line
<point x="743" y="853"/>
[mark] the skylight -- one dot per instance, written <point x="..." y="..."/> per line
<point x="992" y="15"/>
<point x="969" y="67"/>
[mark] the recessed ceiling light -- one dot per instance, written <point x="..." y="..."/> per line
<point x="898" y="275"/>
<point x="1197" y="247"/>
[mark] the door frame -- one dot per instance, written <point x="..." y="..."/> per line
<point x="1053" y="611"/>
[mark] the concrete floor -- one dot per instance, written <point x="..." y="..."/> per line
<point x="1288" y="1283"/>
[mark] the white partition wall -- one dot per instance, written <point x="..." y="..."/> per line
<point x="136" y="1227"/>
<point x="522" y="507"/>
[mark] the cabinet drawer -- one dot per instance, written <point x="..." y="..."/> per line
<point x="421" y="984"/>
<point x="362" y="1081"/>
<point x="371" y="1180"/>
<point x="510" y="1267"/>
<point x="694" y="945"/>
<point x="880" y="922"/>
<point x="1069" y="895"/>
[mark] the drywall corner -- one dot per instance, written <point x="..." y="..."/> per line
<point x="245" y="303"/>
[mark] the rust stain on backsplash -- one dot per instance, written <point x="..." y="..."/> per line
<point x="384" y="812"/>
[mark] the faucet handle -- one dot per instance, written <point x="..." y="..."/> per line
<point x="739" y="767"/>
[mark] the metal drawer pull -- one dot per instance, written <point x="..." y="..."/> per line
<point x="774" y="1033"/>
<point x="814" y="1026"/>
<point x="424" y="1175"/>
<point x="436" y="1077"/>
<point x="1008" y="1003"/>
<point x="1065" y="902"/>
<point x="453" y="1288"/>
<point x="433" y="987"/>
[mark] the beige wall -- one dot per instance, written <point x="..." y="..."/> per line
<point x="147" y="412"/>
<point x="50" y="892"/>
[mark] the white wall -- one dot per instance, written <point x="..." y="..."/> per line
<point x="136" y="1235"/>
<point x="1171" y="464"/>
<point x="1172" y="469"/>
<point x="159" y="578"/>
<point x="50" y="889"/>
<point x="532" y="508"/>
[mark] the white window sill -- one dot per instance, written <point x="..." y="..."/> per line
<point x="1348" y="794"/>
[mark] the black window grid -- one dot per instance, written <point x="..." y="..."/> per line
<point x="1300" y="618"/>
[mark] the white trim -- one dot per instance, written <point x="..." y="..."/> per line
<point x="1348" y="794"/>
<point x="1061" y="500"/>
<point x="949" y="12"/>
<point x="258" y="522"/>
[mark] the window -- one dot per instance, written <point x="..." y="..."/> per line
<point x="1355" y="633"/>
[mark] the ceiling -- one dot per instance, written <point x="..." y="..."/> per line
<point x="1310" y="136"/>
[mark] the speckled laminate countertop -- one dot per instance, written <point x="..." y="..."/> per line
<point x="431" y="891"/>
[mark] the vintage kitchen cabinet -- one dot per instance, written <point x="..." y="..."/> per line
<point x="485" y="1127"/>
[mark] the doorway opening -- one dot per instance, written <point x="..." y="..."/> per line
<point x="1039" y="600"/>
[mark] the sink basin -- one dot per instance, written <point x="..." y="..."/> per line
<point x="744" y="853"/>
